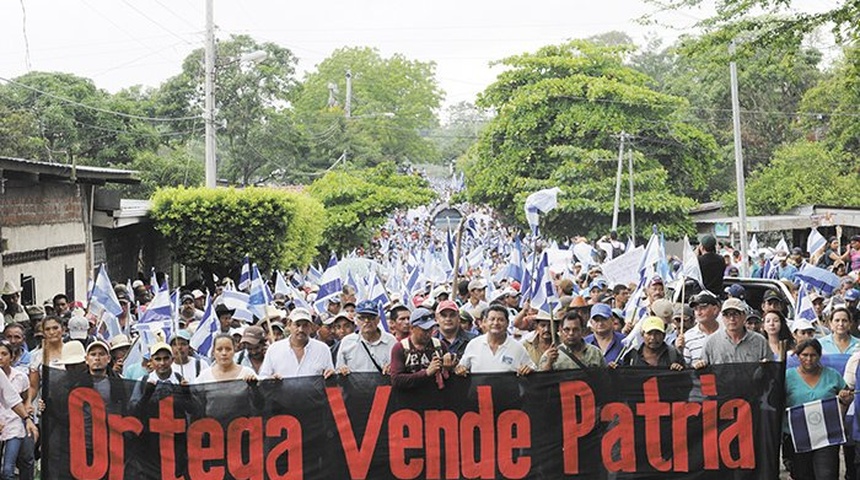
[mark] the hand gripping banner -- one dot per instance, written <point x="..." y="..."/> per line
<point x="624" y="423"/>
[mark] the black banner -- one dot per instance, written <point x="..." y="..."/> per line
<point x="625" y="423"/>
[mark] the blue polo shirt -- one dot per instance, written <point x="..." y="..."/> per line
<point x="615" y="346"/>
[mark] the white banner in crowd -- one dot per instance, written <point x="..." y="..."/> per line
<point x="625" y="268"/>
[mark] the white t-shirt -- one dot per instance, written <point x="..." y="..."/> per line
<point x="208" y="377"/>
<point x="13" y="425"/>
<point x="509" y="357"/>
<point x="192" y="369"/>
<point x="353" y="355"/>
<point x="281" y="360"/>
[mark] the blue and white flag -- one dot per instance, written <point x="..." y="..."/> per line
<point x="544" y="292"/>
<point x="160" y="308"/>
<point x="104" y="304"/>
<point x="203" y="337"/>
<point x="815" y="241"/>
<point x="753" y="253"/>
<point x="330" y="284"/>
<point x="539" y="202"/>
<point x="245" y="275"/>
<point x="514" y="269"/>
<point x="805" y="309"/>
<point x="260" y="295"/>
<point x="690" y="268"/>
<point x="816" y="425"/>
<point x="782" y="246"/>
<point x="238" y="301"/>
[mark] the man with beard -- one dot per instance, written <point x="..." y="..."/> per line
<point x="298" y="355"/>
<point x="573" y="352"/>
<point x="450" y="333"/>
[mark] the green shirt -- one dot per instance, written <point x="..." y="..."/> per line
<point x="590" y="356"/>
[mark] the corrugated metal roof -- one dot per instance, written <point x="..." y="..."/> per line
<point x="83" y="174"/>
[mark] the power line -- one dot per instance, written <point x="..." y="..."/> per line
<point x="96" y="109"/>
<point x="154" y="22"/>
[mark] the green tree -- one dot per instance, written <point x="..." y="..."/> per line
<point x="59" y="116"/>
<point x="393" y="101"/>
<point x="560" y="113"/>
<point x="250" y="98"/>
<point x="464" y="122"/>
<point x="800" y="173"/>
<point x="772" y="81"/>
<point x="357" y="202"/>
<point x="212" y="229"/>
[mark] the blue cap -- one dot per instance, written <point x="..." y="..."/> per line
<point x="183" y="334"/>
<point x="601" y="310"/>
<point x="599" y="284"/>
<point x="852" y="294"/>
<point x="366" y="307"/>
<point x="736" y="291"/>
<point x="422" y="318"/>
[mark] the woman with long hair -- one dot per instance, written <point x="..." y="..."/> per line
<point x="225" y="367"/>
<point x="776" y="330"/>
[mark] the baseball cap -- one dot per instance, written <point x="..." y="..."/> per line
<point x="736" y="290"/>
<point x="734" y="304"/>
<point x="159" y="346"/>
<point x="198" y="294"/>
<point x="663" y="308"/>
<point x="772" y="295"/>
<point x="98" y="343"/>
<point x="852" y="295"/>
<point x="300" y="314"/>
<point x="477" y="284"/>
<point x="186" y="297"/>
<point x="367" y="307"/>
<point x="800" y="325"/>
<point x="601" y="310"/>
<point x="253" y="335"/>
<point x="422" y="318"/>
<point x="447" y="305"/>
<point x="78" y="328"/>
<point x="653" y="323"/>
<point x="183" y="334"/>
<point x="704" y="298"/>
<point x="656" y="279"/>
<point x="679" y="309"/>
<point x="708" y="241"/>
<point x="334" y="318"/>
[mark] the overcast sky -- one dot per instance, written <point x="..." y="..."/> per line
<point x="119" y="43"/>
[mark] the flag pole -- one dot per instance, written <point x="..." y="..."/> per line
<point x="683" y="302"/>
<point x="456" y="265"/>
<point x="532" y="279"/>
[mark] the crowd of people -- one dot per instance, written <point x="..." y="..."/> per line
<point x="479" y="323"/>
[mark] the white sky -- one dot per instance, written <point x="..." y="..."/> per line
<point x="120" y="43"/>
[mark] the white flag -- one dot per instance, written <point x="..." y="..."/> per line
<point x="815" y="241"/>
<point x="691" y="263"/>
<point x="541" y="201"/>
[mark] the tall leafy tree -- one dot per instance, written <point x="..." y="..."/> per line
<point x="393" y="102"/>
<point x="249" y="99"/>
<point x="560" y="112"/>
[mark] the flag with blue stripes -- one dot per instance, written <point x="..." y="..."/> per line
<point x="330" y="284"/>
<point x="203" y="337"/>
<point x="260" y="295"/>
<point x="245" y="275"/>
<point x="815" y="425"/>
<point x="104" y="304"/>
<point x="238" y="301"/>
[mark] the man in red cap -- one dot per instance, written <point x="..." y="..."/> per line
<point x="450" y="333"/>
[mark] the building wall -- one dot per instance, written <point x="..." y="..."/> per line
<point x="42" y="226"/>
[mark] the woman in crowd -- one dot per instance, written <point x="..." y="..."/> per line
<point x="776" y="330"/>
<point x="225" y="368"/>
<point x="49" y="353"/>
<point x="808" y="382"/>
<point x="14" y="434"/>
<point x="840" y="339"/>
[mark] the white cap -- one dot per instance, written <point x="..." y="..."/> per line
<point x="78" y="328"/>
<point x="801" y="324"/>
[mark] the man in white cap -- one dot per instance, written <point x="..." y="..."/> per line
<point x="11" y="296"/>
<point x="298" y="355"/>
<point x="185" y="362"/>
<point x="734" y="343"/>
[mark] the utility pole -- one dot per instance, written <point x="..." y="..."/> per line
<point x="617" y="205"/>
<point x="632" y="210"/>
<point x="209" y="103"/>
<point x="739" y="162"/>
<point x="347" y="106"/>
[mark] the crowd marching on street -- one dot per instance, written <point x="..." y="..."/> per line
<point x="426" y="302"/>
